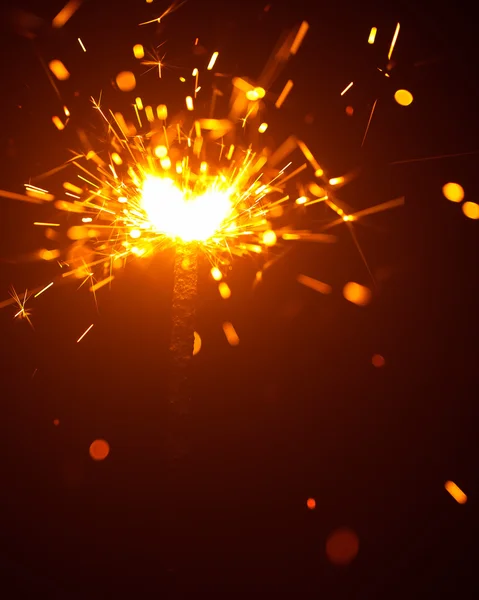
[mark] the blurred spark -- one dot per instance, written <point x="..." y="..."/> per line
<point x="282" y="97"/>
<point x="456" y="492"/>
<point x="230" y="333"/>
<point x="66" y="13"/>
<point x="212" y="62"/>
<point x="372" y="35"/>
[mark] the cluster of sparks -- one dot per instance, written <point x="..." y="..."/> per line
<point x="166" y="180"/>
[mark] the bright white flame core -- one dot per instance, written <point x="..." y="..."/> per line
<point x="171" y="212"/>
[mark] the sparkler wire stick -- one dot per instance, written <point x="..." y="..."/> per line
<point x="181" y="347"/>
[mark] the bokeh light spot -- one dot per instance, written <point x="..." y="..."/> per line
<point x="269" y="238"/>
<point x="99" y="449"/>
<point x="403" y="97"/>
<point x="378" y="361"/>
<point x="311" y="503"/>
<point x="342" y="546"/>
<point x="56" y="422"/>
<point x="453" y="192"/>
<point x="357" y="294"/>
<point x="471" y="210"/>
<point x="126" y="81"/>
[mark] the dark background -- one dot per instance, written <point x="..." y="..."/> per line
<point x="296" y="410"/>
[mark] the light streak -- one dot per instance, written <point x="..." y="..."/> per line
<point x="84" y="333"/>
<point x="394" y="40"/>
<point x="369" y="122"/>
<point x="44" y="289"/>
<point x="212" y="62"/>
<point x="282" y="97"/>
<point x="298" y="40"/>
<point x="348" y="87"/>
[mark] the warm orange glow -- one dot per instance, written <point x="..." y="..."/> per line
<point x="357" y="294"/>
<point x="126" y="81"/>
<point x="456" y="492"/>
<point x="99" y="449"/>
<point x="342" y="546"/>
<point x="403" y="97"/>
<point x="453" y="192"/>
<point x="189" y="103"/>
<point x="311" y="503"/>
<point x="56" y="422"/>
<point x="263" y="127"/>
<point x="59" y="70"/>
<point x="471" y="210"/>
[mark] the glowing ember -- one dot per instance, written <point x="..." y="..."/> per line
<point x="456" y="492"/>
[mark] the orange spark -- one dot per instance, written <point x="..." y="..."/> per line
<point x="230" y="333"/>
<point x="66" y="13"/>
<point x="372" y="35"/>
<point x="59" y="70"/>
<point x="456" y="492"/>
<point x="213" y="58"/>
<point x="314" y="284"/>
<point x="394" y="40"/>
<point x="303" y="29"/>
<point x="282" y="97"/>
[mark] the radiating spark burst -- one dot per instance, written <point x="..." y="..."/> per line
<point x="22" y="312"/>
<point x="160" y="180"/>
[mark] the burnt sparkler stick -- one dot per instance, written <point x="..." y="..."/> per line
<point x="181" y="343"/>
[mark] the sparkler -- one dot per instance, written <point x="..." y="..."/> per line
<point x="202" y="183"/>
